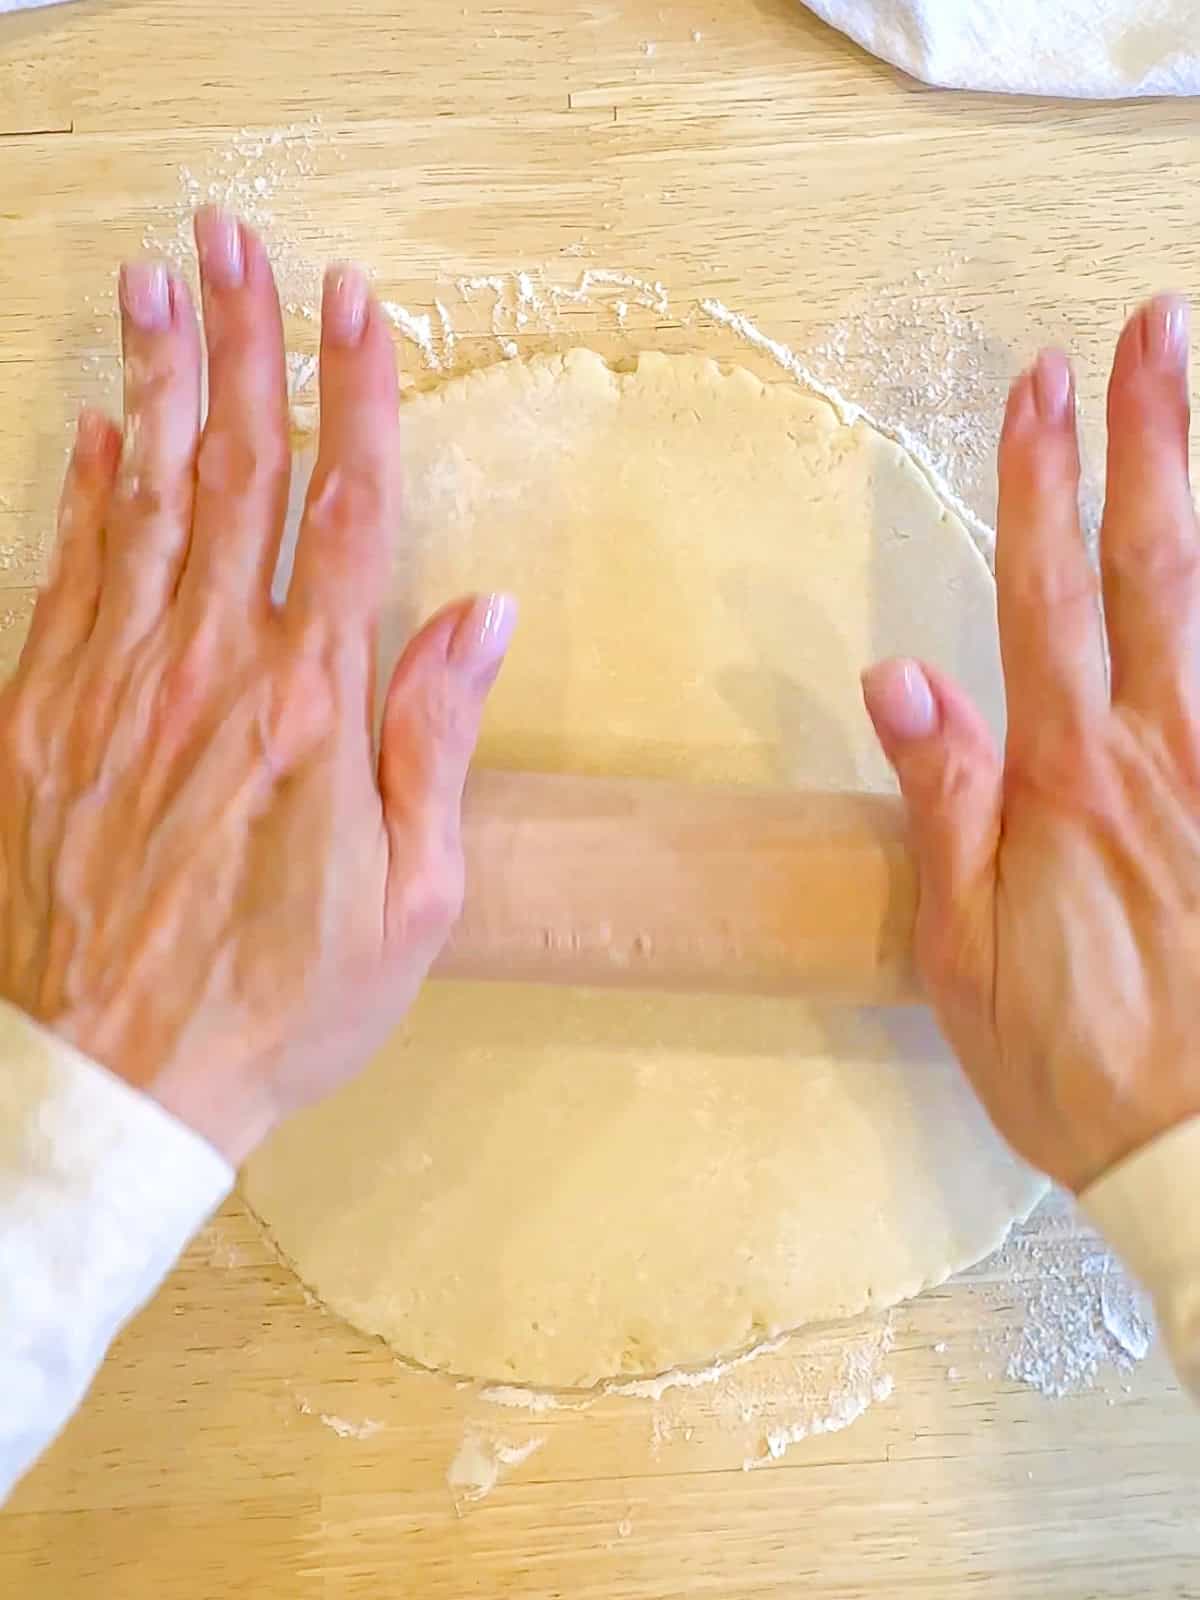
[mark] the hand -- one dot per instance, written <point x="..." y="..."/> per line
<point x="1059" y="925"/>
<point x="208" y="882"/>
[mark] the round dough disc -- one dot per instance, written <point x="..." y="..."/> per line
<point x="554" y="1186"/>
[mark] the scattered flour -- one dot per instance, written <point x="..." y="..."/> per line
<point x="846" y="1409"/>
<point x="351" y="1430"/>
<point x="517" y="1399"/>
<point x="449" y="338"/>
<point x="479" y="1463"/>
<point x="1065" y="1309"/>
<point x="654" y="1388"/>
<point x="897" y="428"/>
<point x="817" y="1381"/>
<point x="367" y="1429"/>
<point x="652" y="295"/>
<point x="251" y="173"/>
<point x="301" y="372"/>
<point x="220" y="1250"/>
<point x="820" y="1381"/>
<point x="416" y="328"/>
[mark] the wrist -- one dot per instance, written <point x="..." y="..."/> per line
<point x="226" y="1103"/>
<point x="1118" y="1141"/>
<point x="234" y="1118"/>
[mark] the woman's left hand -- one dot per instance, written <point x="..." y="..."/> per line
<point x="209" y="882"/>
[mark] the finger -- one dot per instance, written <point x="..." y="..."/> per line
<point x="66" y="609"/>
<point x="245" y="459"/>
<point x="949" y="773"/>
<point x="1051" y="638"/>
<point x="352" y="507"/>
<point x="150" y="519"/>
<point x="431" y="720"/>
<point x="1149" y="543"/>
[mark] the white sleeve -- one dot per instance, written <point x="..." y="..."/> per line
<point x="100" y="1190"/>
<point x="1148" y="1208"/>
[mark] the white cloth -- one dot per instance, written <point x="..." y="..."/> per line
<point x="100" y="1190"/>
<point x="26" y="5"/>
<point x="1093" y="49"/>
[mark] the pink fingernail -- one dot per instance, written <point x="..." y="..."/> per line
<point x="219" y="244"/>
<point x="900" y="701"/>
<point x="344" y="314"/>
<point x="1052" y="385"/>
<point x="1166" y="322"/>
<point x="484" y="633"/>
<point x="146" y="295"/>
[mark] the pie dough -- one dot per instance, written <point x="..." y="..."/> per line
<point x="556" y="1186"/>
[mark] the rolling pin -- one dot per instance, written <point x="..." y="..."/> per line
<point x="645" y="884"/>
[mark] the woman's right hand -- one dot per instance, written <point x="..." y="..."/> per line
<point x="1059" y="925"/>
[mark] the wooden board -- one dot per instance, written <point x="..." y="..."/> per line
<point x="733" y="150"/>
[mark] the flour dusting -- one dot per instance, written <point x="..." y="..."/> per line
<point x="844" y="1409"/>
<point x="821" y="1380"/>
<point x="417" y="329"/>
<point x="1065" y="1310"/>
<point x="250" y="174"/>
<point x="515" y="1398"/>
<point x="897" y="428"/>
<point x="654" y="1388"/>
<point x="479" y="1463"/>
<point x="763" y="1401"/>
<point x="350" y="1430"/>
<point x="367" y="1429"/>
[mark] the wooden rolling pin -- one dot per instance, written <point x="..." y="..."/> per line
<point x="635" y="884"/>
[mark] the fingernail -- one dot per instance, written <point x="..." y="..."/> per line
<point x="1167" y="323"/>
<point x="146" y="295"/>
<point x="484" y="633"/>
<point x="1052" y="385"/>
<point x="219" y="244"/>
<point x="900" y="701"/>
<point x="344" y="314"/>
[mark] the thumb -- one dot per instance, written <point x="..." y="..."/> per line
<point x="433" y="711"/>
<point x="949" y="772"/>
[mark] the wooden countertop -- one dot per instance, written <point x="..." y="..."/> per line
<point x="738" y="151"/>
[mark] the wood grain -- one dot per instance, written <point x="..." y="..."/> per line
<point x="768" y="163"/>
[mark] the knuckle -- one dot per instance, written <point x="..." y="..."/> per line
<point x="444" y="715"/>
<point x="150" y="380"/>
<point x="348" y="498"/>
<point x="180" y="695"/>
<point x="1046" y="586"/>
<point x="184" y="682"/>
<point x="245" y="463"/>
<point x="302" y="712"/>
<point x="1045" y="469"/>
<point x="431" y="900"/>
<point x="21" y="731"/>
<point x="951" y="780"/>
<point x="1156" y="553"/>
<point x="140" y="492"/>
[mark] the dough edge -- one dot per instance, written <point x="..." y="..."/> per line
<point x="824" y="412"/>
